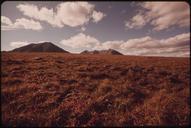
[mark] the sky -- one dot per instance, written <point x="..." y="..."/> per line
<point x="132" y="28"/>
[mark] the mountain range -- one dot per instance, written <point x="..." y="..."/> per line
<point x="50" y="47"/>
<point x="106" y="52"/>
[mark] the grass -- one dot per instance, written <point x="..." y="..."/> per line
<point x="94" y="90"/>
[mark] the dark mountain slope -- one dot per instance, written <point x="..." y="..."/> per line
<point x="107" y="52"/>
<point x="40" y="47"/>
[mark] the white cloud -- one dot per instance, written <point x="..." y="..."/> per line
<point x="42" y="14"/>
<point x="80" y="41"/>
<point x="173" y="46"/>
<point x="6" y="20"/>
<point x="144" y="42"/>
<point x="172" y="13"/>
<point x="138" y="21"/>
<point x="27" y="24"/>
<point x="67" y="13"/>
<point x="178" y="40"/>
<point x="83" y="29"/>
<point x="19" y="24"/>
<point x="97" y="16"/>
<point x="17" y="44"/>
<point x="74" y="13"/>
<point x="161" y="15"/>
<point x="110" y="45"/>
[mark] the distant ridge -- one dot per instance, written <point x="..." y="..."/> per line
<point x="40" y="47"/>
<point x="107" y="52"/>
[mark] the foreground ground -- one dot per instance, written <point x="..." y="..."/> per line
<point x="44" y="89"/>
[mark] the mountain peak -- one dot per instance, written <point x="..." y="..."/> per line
<point x="46" y="43"/>
<point x="40" y="47"/>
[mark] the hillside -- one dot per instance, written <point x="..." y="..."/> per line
<point x="40" y="47"/>
<point x="106" y="52"/>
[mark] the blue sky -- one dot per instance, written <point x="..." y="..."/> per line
<point x="133" y="28"/>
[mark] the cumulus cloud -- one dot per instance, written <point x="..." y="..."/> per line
<point x="6" y="20"/>
<point x="80" y="41"/>
<point x="177" y="41"/>
<point x="42" y="14"/>
<point x="161" y="15"/>
<point x="67" y="13"/>
<point x="173" y="46"/>
<point x="7" y="24"/>
<point x="74" y="13"/>
<point x="138" y="21"/>
<point x="110" y="45"/>
<point x="144" y="42"/>
<point x="97" y="16"/>
<point x="27" y="24"/>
